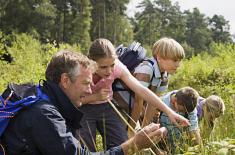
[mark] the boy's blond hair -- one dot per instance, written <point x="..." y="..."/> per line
<point x="168" y="48"/>
<point x="214" y="104"/>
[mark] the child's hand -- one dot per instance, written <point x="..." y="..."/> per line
<point x="179" y="120"/>
<point x="103" y="94"/>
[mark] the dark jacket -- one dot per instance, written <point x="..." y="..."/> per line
<point x="47" y="127"/>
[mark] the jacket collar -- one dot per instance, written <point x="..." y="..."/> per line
<point x="58" y="98"/>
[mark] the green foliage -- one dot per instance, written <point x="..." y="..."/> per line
<point x="80" y="24"/>
<point x="29" y="61"/>
<point x="30" y="58"/>
<point x="29" y="16"/>
<point x="49" y="20"/>
<point x="122" y="32"/>
<point x="148" y="24"/>
<point x="189" y="51"/>
<point x="1" y="45"/>
<point x="222" y="147"/>
<point x="159" y="19"/>
<point x="109" y="21"/>
<point x="220" y="29"/>
<point x="198" y="35"/>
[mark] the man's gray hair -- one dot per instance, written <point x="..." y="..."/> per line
<point x="66" y="61"/>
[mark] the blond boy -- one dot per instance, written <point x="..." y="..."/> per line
<point x="166" y="57"/>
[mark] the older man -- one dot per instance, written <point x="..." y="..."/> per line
<point x="49" y="127"/>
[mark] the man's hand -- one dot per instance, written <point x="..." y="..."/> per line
<point x="153" y="132"/>
<point x="145" y="138"/>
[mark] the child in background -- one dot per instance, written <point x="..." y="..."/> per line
<point x="207" y="111"/>
<point x="184" y="102"/>
<point x="98" y="114"/>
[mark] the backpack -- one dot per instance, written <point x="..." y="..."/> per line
<point x="15" y="98"/>
<point x="131" y="57"/>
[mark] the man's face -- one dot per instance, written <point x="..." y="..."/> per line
<point x="169" y="65"/>
<point x="78" y="88"/>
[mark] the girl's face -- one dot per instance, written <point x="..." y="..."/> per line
<point x="105" y="66"/>
<point x="209" y="114"/>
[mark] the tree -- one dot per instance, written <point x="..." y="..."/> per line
<point x="49" y="20"/>
<point x="198" y="35"/>
<point x="158" y="19"/>
<point x="80" y="23"/>
<point x="34" y="17"/>
<point x="109" y="21"/>
<point x="173" y="23"/>
<point x="220" y="29"/>
<point x="148" y="23"/>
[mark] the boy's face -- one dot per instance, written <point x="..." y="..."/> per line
<point x="180" y="108"/>
<point x="168" y="65"/>
<point x="177" y="107"/>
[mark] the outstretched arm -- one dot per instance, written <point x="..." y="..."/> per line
<point x="194" y="130"/>
<point x="150" y="97"/>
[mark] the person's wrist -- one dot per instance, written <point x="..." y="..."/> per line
<point x="170" y="112"/>
<point x="129" y="147"/>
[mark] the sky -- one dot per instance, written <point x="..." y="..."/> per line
<point x="225" y="8"/>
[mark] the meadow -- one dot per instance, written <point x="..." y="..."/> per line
<point x="212" y="72"/>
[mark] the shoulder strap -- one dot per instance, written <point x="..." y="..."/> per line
<point x="40" y="94"/>
<point x="152" y="63"/>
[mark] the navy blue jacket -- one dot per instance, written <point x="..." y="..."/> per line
<point x="47" y="128"/>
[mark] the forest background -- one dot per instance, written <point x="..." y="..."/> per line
<point x="32" y="30"/>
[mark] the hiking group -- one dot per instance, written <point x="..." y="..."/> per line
<point x="63" y="113"/>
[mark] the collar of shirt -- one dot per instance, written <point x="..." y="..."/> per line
<point x="71" y="114"/>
